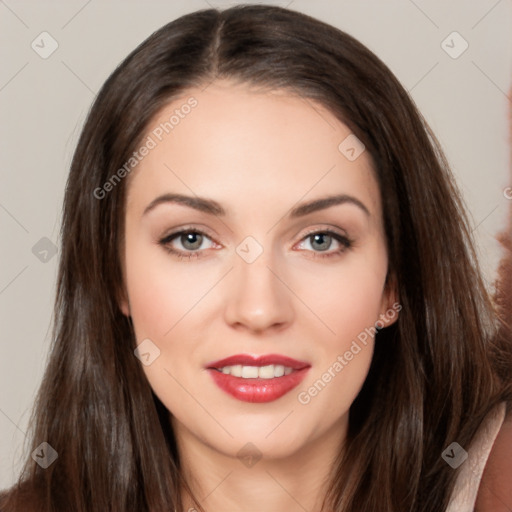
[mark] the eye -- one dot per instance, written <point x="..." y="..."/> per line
<point x="321" y="241"/>
<point x="190" y="239"/>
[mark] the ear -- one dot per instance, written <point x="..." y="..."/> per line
<point x="390" y="305"/>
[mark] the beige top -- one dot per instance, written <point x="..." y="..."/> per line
<point x="470" y="473"/>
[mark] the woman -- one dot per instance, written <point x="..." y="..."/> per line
<point x="247" y="370"/>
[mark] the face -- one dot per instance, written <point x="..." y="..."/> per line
<point x="242" y="267"/>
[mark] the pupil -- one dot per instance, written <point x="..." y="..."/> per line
<point x="324" y="245"/>
<point x="189" y="239"/>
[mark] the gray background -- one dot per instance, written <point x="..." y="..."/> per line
<point x="43" y="104"/>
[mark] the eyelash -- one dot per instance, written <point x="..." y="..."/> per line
<point x="345" y="242"/>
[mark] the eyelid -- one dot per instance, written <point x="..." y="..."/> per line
<point x="327" y="228"/>
<point x="188" y="228"/>
<point x="205" y="231"/>
<point x="334" y="232"/>
<point x="339" y="235"/>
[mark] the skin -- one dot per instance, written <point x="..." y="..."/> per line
<point x="259" y="155"/>
<point x="495" y="491"/>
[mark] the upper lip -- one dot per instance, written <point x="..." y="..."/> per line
<point x="263" y="360"/>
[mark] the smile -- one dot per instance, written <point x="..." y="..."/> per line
<point x="270" y="371"/>
<point x="257" y="379"/>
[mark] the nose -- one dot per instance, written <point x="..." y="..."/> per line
<point x="258" y="298"/>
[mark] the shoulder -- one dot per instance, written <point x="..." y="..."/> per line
<point x="495" y="491"/>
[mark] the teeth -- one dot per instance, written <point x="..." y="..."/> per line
<point x="253" y="372"/>
<point x="278" y="370"/>
<point x="266" y="372"/>
<point x="250" y="372"/>
<point x="236" y="370"/>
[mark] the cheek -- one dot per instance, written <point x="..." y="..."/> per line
<point x="348" y="302"/>
<point x="347" y="298"/>
<point x="162" y="298"/>
<point x="357" y="303"/>
<point x="160" y="292"/>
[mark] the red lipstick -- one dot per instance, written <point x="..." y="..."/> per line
<point x="258" y="390"/>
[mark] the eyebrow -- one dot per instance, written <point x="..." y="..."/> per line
<point x="212" y="207"/>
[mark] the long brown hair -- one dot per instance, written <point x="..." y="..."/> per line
<point x="436" y="372"/>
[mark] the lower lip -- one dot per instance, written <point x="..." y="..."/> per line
<point x="257" y="390"/>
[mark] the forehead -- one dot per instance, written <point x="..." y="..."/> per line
<point x="229" y="140"/>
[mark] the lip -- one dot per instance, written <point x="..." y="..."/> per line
<point x="257" y="390"/>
